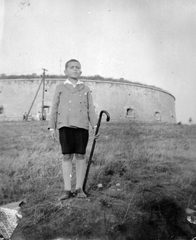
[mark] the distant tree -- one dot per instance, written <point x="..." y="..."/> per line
<point x="1" y="109"/>
<point x="97" y="77"/>
<point x="34" y="75"/>
<point x="56" y="76"/>
<point x="2" y="75"/>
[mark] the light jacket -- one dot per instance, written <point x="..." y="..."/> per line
<point x="72" y="107"/>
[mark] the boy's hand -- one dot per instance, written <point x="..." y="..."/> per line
<point x="94" y="131"/>
<point x="53" y="134"/>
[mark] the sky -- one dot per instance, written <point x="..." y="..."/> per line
<point x="148" y="41"/>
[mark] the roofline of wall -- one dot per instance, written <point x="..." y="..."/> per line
<point x="132" y="84"/>
<point x="100" y="81"/>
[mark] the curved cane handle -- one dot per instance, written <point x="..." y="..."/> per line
<point x="99" y="121"/>
<point x="107" y="114"/>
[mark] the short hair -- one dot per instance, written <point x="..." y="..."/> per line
<point x="71" y="60"/>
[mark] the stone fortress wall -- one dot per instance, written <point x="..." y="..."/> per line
<point x="123" y="100"/>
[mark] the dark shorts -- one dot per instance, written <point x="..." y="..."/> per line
<point x="73" y="140"/>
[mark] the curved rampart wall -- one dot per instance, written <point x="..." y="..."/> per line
<point x="121" y="99"/>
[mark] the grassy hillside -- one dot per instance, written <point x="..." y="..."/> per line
<point x="146" y="170"/>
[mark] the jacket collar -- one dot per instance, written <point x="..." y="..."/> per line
<point x="69" y="82"/>
<point x="79" y="86"/>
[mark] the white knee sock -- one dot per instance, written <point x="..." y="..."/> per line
<point x="80" y="172"/>
<point x="67" y="172"/>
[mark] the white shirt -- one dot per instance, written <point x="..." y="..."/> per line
<point x="68" y="81"/>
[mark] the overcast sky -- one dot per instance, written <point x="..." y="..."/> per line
<point x="148" y="41"/>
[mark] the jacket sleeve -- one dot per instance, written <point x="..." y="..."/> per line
<point x="91" y="111"/>
<point x="54" y="110"/>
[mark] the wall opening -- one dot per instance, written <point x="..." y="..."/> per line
<point x="157" y="116"/>
<point x="130" y="113"/>
<point x="46" y="111"/>
<point x="1" y="109"/>
<point x="47" y="108"/>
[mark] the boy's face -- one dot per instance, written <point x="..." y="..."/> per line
<point x="73" y="70"/>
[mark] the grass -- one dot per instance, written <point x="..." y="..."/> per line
<point x="138" y="164"/>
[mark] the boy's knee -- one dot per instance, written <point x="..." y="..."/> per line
<point x="80" y="156"/>
<point x="67" y="157"/>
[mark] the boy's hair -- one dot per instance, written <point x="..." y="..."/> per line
<point x="71" y="60"/>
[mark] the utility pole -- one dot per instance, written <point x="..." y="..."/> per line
<point x="26" y="118"/>
<point x="43" y="92"/>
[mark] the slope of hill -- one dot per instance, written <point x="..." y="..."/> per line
<point x="142" y="179"/>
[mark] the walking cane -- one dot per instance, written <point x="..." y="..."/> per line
<point x="93" y="146"/>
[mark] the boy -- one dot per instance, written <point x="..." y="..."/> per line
<point x="72" y="110"/>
